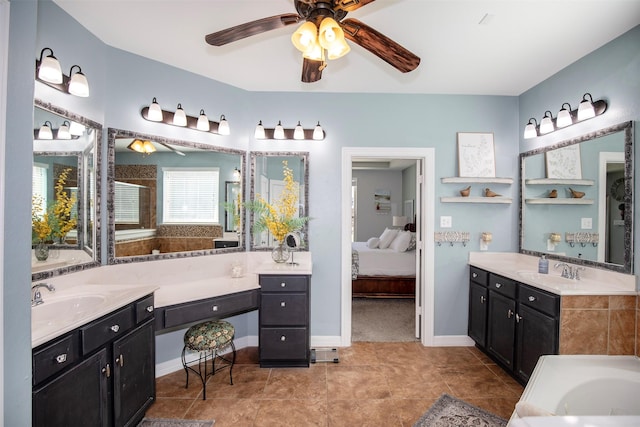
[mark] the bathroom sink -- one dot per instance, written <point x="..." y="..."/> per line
<point x="64" y="309"/>
<point x="546" y="279"/>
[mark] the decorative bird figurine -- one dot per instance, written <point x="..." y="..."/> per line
<point x="489" y="193"/>
<point x="465" y="191"/>
<point x="553" y="194"/>
<point x="576" y="194"/>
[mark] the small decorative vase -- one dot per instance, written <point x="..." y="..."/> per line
<point x="42" y="251"/>
<point x="280" y="253"/>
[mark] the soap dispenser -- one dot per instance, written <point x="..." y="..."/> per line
<point x="543" y="265"/>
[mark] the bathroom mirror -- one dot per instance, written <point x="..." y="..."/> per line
<point x="589" y="217"/>
<point x="170" y="202"/>
<point x="267" y="180"/>
<point x="70" y="162"/>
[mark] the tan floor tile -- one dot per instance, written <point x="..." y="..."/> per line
<point x="363" y="413"/>
<point x="400" y="353"/>
<point x="410" y="410"/>
<point x="225" y="412"/>
<point x="474" y="381"/>
<point x="451" y="356"/>
<point x="249" y="382"/>
<point x="286" y="413"/>
<point x="169" y="408"/>
<point x="297" y="383"/>
<point x="415" y="382"/>
<point x="357" y="382"/>
<point x="360" y="353"/>
<point x="173" y="385"/>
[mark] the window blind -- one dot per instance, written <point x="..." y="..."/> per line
<point x="190" y="195"/>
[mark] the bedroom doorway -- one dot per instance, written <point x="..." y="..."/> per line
<point x="423" y="207"/>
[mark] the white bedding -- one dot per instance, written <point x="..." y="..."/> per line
<point x="384" y="262"/>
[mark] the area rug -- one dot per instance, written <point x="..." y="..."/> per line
<point x="383" y="320"/>
<point x="448" y="411"/>
<point x="164" y="422"/>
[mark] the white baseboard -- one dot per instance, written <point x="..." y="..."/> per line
<point x="453" y="341"/>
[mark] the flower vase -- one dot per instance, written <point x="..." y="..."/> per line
<point x="41" y="251"/>
<point x="280" y="253"/>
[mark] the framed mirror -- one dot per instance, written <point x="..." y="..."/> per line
<point x="168" y="200"/>
<point x="576" y="201"/>
<point x="65" y="192"/>
<point x="233" y="203"/>
<point x="267" y="182"/>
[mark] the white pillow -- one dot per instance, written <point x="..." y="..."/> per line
<point x="373" y="243"/>
<point x="401" y="242"/>
<point x="387" y="237"/>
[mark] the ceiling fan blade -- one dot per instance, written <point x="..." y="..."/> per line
<point x="232" y="34"/>
<point x="380" y="45"/>
<point x="311" y="70"/>
<point x="351" y="5"/>
<point x="172" y="149"/>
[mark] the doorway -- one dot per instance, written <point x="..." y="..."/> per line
<point x="423" y="209"/>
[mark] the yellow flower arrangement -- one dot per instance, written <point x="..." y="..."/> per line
<point x="41" y="229"/>
<point x="279" y="218"/>
<point x="59" y="218"/>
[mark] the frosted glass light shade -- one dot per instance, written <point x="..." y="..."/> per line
<point x="278" y="133"/>
<point x="338" y="49"/>
<point x="63" y="131"/>
<point x="76" y="129"/>
<point x="203" y="122"/>
<point x="318" y="133"/>
<point x="179" y="117"/>
<point x="546" y="125"/>
<point x="78" y="84"/>
<point x="564" y="118"/>
<point x="49" y="69"/>
<point x="223" y="127"/>
<point x="585" y="109"/>
<point x="298" y="132"/>
<point x="305" y="36"/>
<point x="155" y="112"/>
<point x="45" y="131"/>
<point x="330" y="33"/>
<point x="259" y="133"/>
<point x="530" y="130"/>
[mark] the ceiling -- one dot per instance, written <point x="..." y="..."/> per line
<point x="466" y="47"/>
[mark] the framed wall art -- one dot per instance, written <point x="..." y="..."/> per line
<point x="564" y="163"/>
<point x="476" y="155"/>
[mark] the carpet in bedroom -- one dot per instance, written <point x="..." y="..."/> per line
<point x="382" y="320"/>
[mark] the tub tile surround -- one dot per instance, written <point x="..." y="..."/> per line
<point x="599" y="319"/>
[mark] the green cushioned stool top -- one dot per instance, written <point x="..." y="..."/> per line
<point x="212" y="335"/>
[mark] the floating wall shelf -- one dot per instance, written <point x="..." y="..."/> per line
<point x="550" y="201"/>
<point x="478" y="180"/>
<point x="491" y="200"/>
<point x="556" y="181"/>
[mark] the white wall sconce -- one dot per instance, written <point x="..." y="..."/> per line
<point x="485" y="238"/>
<point x="282" y="133"/>
<point x="48" y="132"/>
<point x="553" y="241"/>
<point x="154" y="113"/>
<point x="588" y="108"/>
<point x="49" y="72"/>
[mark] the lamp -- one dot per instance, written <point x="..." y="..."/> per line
<point x="203" y="122"/>
<point x="586" y="109"/>
<point x="278" y="133"/>
<point x="180" y="117"/>
<point x="530" y="130"/>
<point x="45" y="131"/>
<point x="298" y="132"/>
<point x="546" y="125"/>
<point x="48" y="68"/>
<point x="63" y="131"/>
<point x="564" y="118"/>
<point x="140" y="146"/>
<point x="155" y="112"/>
<point x="399" y="221"/>
<point x="313" y="41"/>
<point x="78" y="84"/>
<point x="259" y="133"/>
<point x="223" y="126"/>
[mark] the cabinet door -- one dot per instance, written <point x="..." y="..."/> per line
<point x="76" y="398"/>
<point x="501" y="328"/>
<point x="478" y="313"/>
<point x="133" y="375"/>
<point x="537" y="336"/>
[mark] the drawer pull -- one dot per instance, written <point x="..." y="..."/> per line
<point x="283" y="285"/>
<point x="115" y="328"/>
<point x="120" y="360"/>
<point x="149" y="308"/>
<point x="532" y="298"/>
<point x="283" y="304"/>
<point x="482" y="299"/>
<point x="474" y="275"/>
<point x="498" y="285"/>
<point x="61" y="358"/>
<point x="519" y="318"/>
<point x="106" y="371"/>
<point x="283" y="338"/>
<point x="509" y="314"/>
<point x="214" y="308"/>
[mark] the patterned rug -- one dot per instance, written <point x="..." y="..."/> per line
<point x="163" y="422"/>
<point x="448" y="411"/>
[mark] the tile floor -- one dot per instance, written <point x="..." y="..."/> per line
<point x="374" y="384"/>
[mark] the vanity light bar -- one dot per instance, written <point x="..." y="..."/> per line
<point x="48" y="71"/>
<point x="566" y="117"/>
<point x="218" y="128"/>
<point x="297" y="133"/>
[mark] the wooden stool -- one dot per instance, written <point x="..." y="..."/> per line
<point x="208" y="339"/>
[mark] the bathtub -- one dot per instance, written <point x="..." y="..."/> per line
<point x="581" y="386"/>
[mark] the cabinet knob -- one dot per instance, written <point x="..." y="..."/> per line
<point x="106" y="371"/>
<point x="283" y="338"/>
<point x="283" y="285"/>
<point x="214" y="308"/>
<point x="149" y="308"/>
<point x="115" y="328"/>
<point x="498" y="285"/>
<point x="61" y="358"/>
<point x="474" y="275"/>
<point x="482" y="299"/>
<point x="120" y="360"/>
<point x="532" y="298"/>
<point x="509" y="314"/>
<point x="518" y="318"/>
<point x="283" y="304"/>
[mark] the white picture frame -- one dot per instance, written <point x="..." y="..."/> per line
<point x="564" y="162"/>
<point x="476" y="155"/>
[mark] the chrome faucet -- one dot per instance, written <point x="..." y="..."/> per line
<point x="36" y="296"/>
<point x="568" y="271"/>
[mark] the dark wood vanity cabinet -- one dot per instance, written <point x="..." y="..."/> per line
<point x="101" y="374"/>
<point x="521" y="321"/>
<point x="284" y="321"/>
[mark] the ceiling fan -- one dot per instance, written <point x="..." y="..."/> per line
<point x="323" y="33"/>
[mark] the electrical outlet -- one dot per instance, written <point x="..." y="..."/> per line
<point x="586" y="223"/>
<point x="445" y="222"/>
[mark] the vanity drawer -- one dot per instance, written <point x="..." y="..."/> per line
<point x="502" y="285"/>
<point x="218" y="307"/>
<point x="55" y="357"/>
<point x="284" y="309"/>
<point x="97" y="333"/>
<point x="540" y="300"/>
<point x="478" y="276"/>
<point x="284" y="344"/>
<point x="144" y="309"/>
<point x="284" y="283"/>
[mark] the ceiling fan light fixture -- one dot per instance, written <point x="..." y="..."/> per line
<point x="305" y="36"/>
<point x="298" y="132"/>
<point x="338" y="49"/>
<point x="45" y="131"/>
<point x="315" y="52"/>
<point x="78" y="84"/>
<point x="203" y="122"/>
<point x="155" y="112"/>
<point x="329" y="33"/>
<point x="180" y="117"/>
<point x="586" y="109"/>
<point x="223" y="127"/>
<point x="136" y="145"/>
<point x="318" y="133"/>
<point x="278" y="132"/>
<point x="546" y="125"/>
<point x="63" y="131"/>
<point x="49" y="68"/>
<point x="148" y="147"/>
<point x="259" y="133"/>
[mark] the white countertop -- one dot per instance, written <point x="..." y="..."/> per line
<point x="524" y="269"/>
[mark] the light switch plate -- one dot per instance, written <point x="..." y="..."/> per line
<point x="445" y="222"/>
<point x="586" y="223"/>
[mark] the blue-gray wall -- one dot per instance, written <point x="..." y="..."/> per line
<point x="123" y="83"/>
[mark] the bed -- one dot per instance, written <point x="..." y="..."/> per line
<point x="382" y="273"/>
